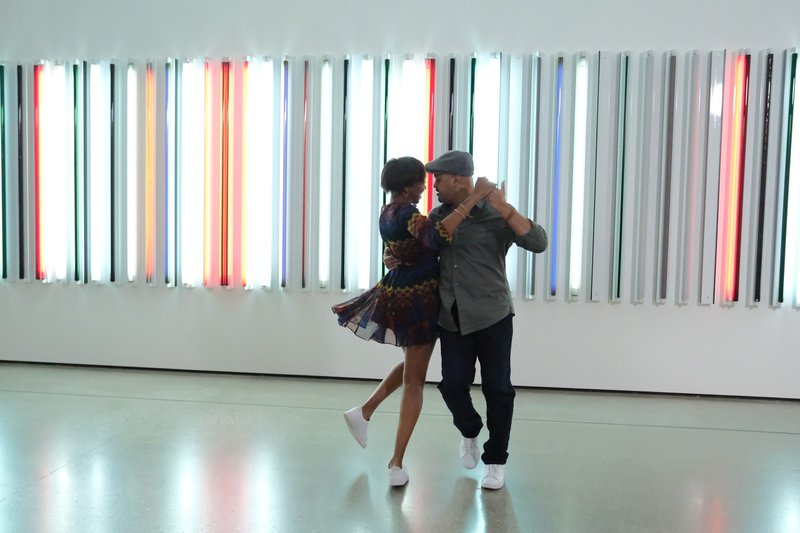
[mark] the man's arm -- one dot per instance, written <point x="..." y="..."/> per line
<point x="529" y="235"/>
<point x="389" y="260"/>
<point x="517" y="222"/>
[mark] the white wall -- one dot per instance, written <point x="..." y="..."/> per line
<point x="749" y="352"/>
<point x="617" y="347"/>
<point x="52" y="29"/>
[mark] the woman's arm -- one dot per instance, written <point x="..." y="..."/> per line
<point x="436" y="235"/>
<point x="483" y="187"/>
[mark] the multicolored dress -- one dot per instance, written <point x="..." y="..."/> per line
<point x="403" y="308"/>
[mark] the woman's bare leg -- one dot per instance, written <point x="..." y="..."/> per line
<point x="416" y="361"/>
<point x="390" y="383"/>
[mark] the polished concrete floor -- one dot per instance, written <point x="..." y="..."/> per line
<point x="106" y="450"/>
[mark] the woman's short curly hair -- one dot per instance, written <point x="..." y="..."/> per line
<point x="400" y="172"/>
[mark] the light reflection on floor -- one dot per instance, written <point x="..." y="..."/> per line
<point x="87" y="450"/>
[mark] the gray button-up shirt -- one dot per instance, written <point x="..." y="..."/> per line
<point x="473" y="267"/>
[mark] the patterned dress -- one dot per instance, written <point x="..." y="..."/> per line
<point x="403" y="308"/>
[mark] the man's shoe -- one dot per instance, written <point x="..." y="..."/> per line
<point x="357" y="424"/>
<point x="469" y="452"/>
<point x="494" y="477"/>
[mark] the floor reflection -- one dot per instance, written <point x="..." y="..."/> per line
<point x="258" y="454"/>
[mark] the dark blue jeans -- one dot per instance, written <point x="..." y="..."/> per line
<point x="492" y="347"/>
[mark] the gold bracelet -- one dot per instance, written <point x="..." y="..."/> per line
<point x="462" y="212"/>
<point x="510" y="214"/>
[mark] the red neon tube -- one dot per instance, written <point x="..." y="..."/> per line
<point x="37" y="168"/>
<point x="150" y="179"/>
<point x="734" y="219"/>
<point x="226" y="70"/>
<point x="430" y="75"/>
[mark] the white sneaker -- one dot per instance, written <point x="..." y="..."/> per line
<point x="398" y="476"/>
<point x="494" y="477"/>
<point x="357" y="424"/>
<point x="469" y="452"/>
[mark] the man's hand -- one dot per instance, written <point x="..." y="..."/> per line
<point x="497" y="199"/>
<point x="389" y="260"/>
<point x="483" y="187"/>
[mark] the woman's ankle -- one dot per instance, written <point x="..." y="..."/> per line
<point x="366" y="412"/>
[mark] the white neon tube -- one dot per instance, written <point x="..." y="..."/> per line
<point x="407" y="109"/>
<point x="132" y="169"/>
<point x="259" y="173"/>
<point x="359" y="179"/>
<point x="486" y="129"/>
<point x="325" y="142"/>
<point x="191" y="178"/>
<point x="99" y="177"/>
<point x="578" y="174"/>
<point x="60" y="197"/>
<point x="53" y="157"/>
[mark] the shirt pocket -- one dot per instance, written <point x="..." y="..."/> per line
<point x="487" y="235"/>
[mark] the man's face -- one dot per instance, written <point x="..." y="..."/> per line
<point x="446" y="186"/>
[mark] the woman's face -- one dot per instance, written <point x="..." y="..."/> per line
<point x="415" y="191"/>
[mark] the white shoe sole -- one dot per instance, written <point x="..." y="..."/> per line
<point x="350" y="426"/>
